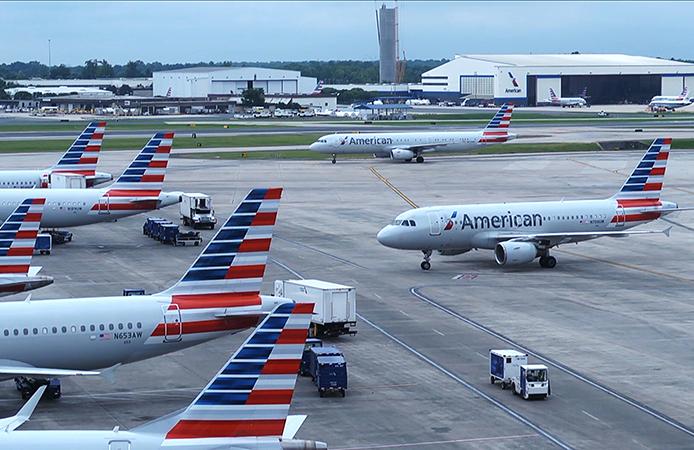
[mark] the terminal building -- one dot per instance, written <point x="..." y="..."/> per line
<point x="201" y="82"/>
<point x="527" y="79"/>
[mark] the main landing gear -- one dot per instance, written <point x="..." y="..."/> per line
<point x="420" y="159"/>
<point x="426" y="265"/>
<point x="28" y="386"/>
<point x="334" y="158"/>
<point x="547" y="261"/>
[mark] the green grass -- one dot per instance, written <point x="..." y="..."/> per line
<point x="60" y="145"/>
<point x="129" y="125"/>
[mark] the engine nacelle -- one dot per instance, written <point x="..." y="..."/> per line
<point x="400" y="154"/>
<point x="511" y="253"/>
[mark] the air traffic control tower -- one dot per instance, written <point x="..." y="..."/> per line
<point x="387" y="21"/>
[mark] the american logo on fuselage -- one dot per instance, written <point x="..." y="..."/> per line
<point x="370" y="141"/>
<point x="503" y="221"/>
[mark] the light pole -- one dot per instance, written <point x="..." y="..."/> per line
<point x="49" y="53"/>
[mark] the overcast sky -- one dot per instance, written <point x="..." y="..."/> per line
<point x="270" y="31"/>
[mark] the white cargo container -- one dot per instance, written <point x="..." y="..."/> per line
<point x="336" y="305"/>
<point x="504" y="365"/>
<point x="196" y="210"/>
<point x="67" y="181"/>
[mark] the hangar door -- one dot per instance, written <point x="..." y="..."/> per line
<point x="477" y="86"/>
<point x="612" y="89"/>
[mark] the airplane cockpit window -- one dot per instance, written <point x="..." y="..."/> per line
<point x="412" y="223"/>
<point x="405" y="223"/>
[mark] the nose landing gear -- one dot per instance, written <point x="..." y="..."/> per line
<point x="334" y="158"/>
<point x="426" y="265"/>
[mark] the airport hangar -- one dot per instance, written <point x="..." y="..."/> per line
<point x="526" y="79"/>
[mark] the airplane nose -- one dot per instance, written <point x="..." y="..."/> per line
<point x="313" y="147"/>
<point x="386" y="236"/>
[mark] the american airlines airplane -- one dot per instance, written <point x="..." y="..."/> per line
<point x="137" y="190"/>
<point x="245" y="406"/>
<point x="17" y="241"/>
<point x="671" y="102"/>
<point x="412" y="145"/>
<point x="565" y="101"/>
<point x="81" y="158"/>
<point x="218" y="295"/>
<point x="521" y="232"/>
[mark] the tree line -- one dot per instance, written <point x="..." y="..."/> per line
<point x="331" y="72"/>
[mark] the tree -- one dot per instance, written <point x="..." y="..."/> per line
<point x="253" y="97"/>
<point x="104" y="70"/>
<point x="59" y="72"/>
<point x="132" y="69"/>
<point x="90" y="69"/>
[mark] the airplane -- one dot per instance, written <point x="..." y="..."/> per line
<point x="565" y="101"/>
<point x="669" y="102"/>
<point x="318" y="89"/>
<point x="244" y="406"/>
<point x="17" y="241"/>
<point x="411" y="145"/>
<point x="218" y="295"/>
<point x="80" y="159"/>
<point x="137" y="189"/>
<point x="520" y="232"/>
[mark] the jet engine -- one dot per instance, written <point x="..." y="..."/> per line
<point x="400" y="154"/>
<point x="511" y="253"/>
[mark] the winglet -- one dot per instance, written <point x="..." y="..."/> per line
<point x="14" y="422"/>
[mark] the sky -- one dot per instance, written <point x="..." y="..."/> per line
<point x="181" y="31"/>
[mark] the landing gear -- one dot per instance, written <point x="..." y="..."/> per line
<point x="420" y="159"/>
<point x="548" y="262"/>
<point x="426" y="265"/>
<point x="28" y="386"/>
<point x="334" y="158"/>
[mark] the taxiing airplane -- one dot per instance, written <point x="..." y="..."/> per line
<point x="412" y="145"/>
<point x="521" y="232"/>
<point x="566" y="101"/>
<point x="671" y="102"/>
<point x="81" y="158"/>
<point x="218" y="295"/>
<point x="17" y="241"/>
<point x="137" y="190"/>
<point x="245" y="406"/>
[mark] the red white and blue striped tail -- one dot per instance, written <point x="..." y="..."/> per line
<point x="83" y="155"/>
<point x="144" y="177"/>
<point x="497" y="128"/>
<point x="552" y="95"/>
<point x="250" y="396"/>
<point x="18" y="236"/>
<point x="229" y="272"/>
<point x="645" y="183"/>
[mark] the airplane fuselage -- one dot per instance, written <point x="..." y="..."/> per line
<point x="96" y="333"/>
<point x="74" y="207"/>
<point x="27" y="179"/>
<point x="382" y="144"/>
<point x="464" y="227"/>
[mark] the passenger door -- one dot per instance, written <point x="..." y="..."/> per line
<point x="119" y="445"/>
<point x="434" y="224"/>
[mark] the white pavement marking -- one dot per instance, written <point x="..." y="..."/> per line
<point x="481" y="355"/>
<point x="437" y="331"/>
<point x="590" y="415"/>
<point x="404" y="313"/>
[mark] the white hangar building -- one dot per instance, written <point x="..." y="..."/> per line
<point x="526" y="79"/>
<point x="205" y="81"/>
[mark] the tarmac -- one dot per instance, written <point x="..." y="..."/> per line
<point x="613" y="320"/>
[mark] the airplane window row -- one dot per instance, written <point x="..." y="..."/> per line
<point x="18" y="183"/>
<point x="404" y="223"/>
<point x="73" y="329"/>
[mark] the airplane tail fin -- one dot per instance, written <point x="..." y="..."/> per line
<point x="552" y="95"/>
<point x="229" y="271"/>
<point x="685" y="92"/>
<point x="144" y="177"/>
<point x="251" y="394"/>
<point x="497" y="128"/>
<point x="18" y="236"/>
<point x="584" y="93"/>
<point x="646" y="180"/>
<point x="83" y="155"/>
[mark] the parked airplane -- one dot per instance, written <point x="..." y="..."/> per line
<point x="80" y="159"/>
<point x="137" y="190"/>
<point x="671" y="102"/>
<point x="566" y="101"/>
<point x="17" y="241"/>
<point x="411" y="145"/>
<point x="520" y="232"/>
<point x="245" y="406"/>
<point x="218" y="295"/>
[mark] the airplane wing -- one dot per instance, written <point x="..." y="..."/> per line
<point x="422" y="147"/>
<point x="553" y="239"/>
<point x="28" y="371"/>
<point x="14" y="422"/>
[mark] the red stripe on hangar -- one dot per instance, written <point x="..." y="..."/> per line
<point x="216" y="300"/>
<point x="198" y="429"/>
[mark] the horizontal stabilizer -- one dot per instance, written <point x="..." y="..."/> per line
<point x="34" y="270"/>
<point x="14" y="422"/>
<point x="292" y="425"/>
